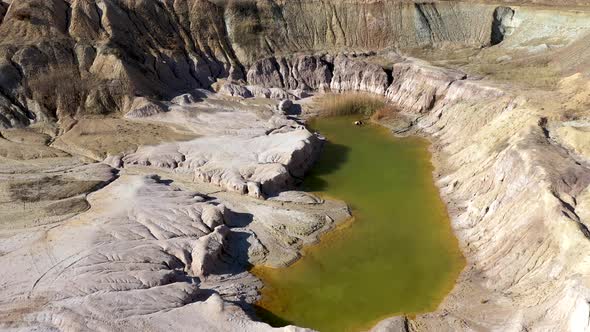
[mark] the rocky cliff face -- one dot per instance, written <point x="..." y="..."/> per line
<point x="512" y="192"/>
<point x="66" y="59"/>
<point x="106" y="50"/>
<point x="292" y="26"/>
<point x="62" y="60"/>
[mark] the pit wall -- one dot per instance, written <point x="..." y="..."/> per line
<point x="294" y="26"/>
<point x="513" y="192"/>
<point x="113" y="50"/>
<point x="512" y="196"/>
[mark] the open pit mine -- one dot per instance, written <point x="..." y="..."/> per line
<point x="294" y="165"/>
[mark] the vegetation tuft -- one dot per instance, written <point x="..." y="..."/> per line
<point x="63" y="87"/>
<point x="385" y="112"/>
<point x="247" y="25"/>
<point x="23" y="14"/>
<point x="355" y="103"/>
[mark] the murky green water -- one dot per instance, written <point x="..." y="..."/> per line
<point x="398" y="254"/>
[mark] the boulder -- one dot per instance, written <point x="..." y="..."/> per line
<point x="285" y="106"/>
<point x="235" y="90"/>
<point x="357" y="75"/>
<point x="142" y="107"/>
<point x="207" y="250"/>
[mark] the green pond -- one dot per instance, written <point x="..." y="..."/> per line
<point x="398" y="255"/>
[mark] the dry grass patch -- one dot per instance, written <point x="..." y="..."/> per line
<point x="384" y="113"/>
<point x="354" y="104"/>
<point x="63" y="88"/>
<point x="58" y="85"/>
<point x="246" y="21"/>
<point x="97" y="138"/>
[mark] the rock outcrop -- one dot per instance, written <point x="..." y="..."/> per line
<point x="142" y="253"/>
<point x="137" y="258"/>
<point x="246" y="154"/>
<point x="141" y="107"/>
<point x="115" y="249"/>
<point x="67" y="59"/>
<point x="250" y="91"/>
<point x="300" y="72"/>
<point x="417" y="85"/>
<point x="357" y="75"/>
<point x="61" y="57"/>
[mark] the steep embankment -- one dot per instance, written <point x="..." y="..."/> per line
<point x="513" y="186"/>
<point x="66" y="59"/>
<point x="329" y="26"/>
<point x="513" y="192"/>
<point x="512" y="165"/>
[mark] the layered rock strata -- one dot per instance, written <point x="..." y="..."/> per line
<point x="65" y="59"/>
<point x="143" y="254"/>
<point x="513" y="200"/>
